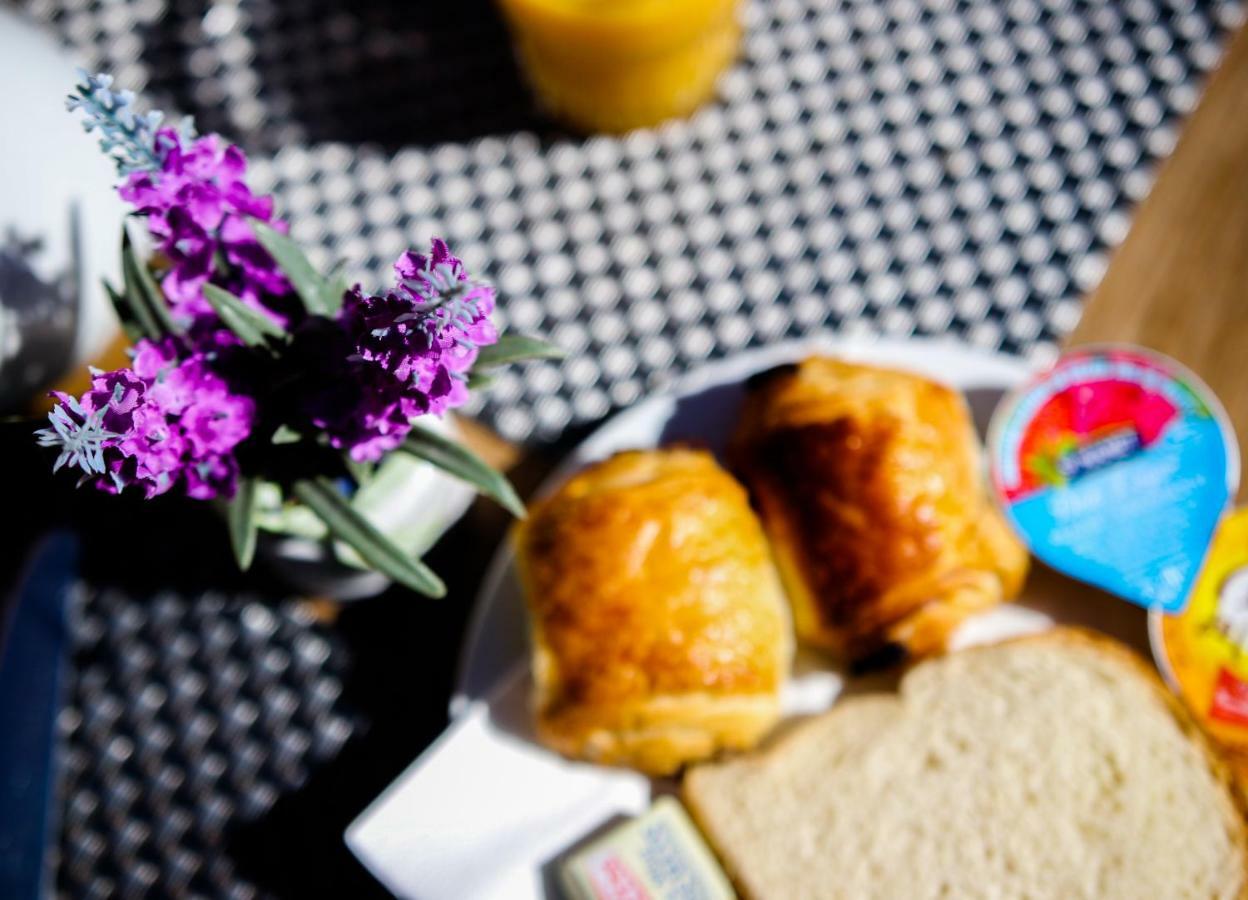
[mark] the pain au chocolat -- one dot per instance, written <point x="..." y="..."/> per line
<point x="869" y="485"/>
<point x="660" y="630"/>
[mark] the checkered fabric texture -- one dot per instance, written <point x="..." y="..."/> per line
<point x="925" y="167"/>
<point x="186" y="714"/>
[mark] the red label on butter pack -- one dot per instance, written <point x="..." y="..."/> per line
<point x="614" y="880"/>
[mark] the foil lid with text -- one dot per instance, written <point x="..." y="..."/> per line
<point x="1115" y="467"/>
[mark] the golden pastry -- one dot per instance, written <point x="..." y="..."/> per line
<point x="869" y="486"/>
<point x="660" y="630"/>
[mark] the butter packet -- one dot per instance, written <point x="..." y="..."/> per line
<point x="657" y="856"/>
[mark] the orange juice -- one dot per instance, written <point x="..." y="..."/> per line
<point x="614" y="65"/>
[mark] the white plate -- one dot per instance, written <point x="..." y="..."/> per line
<point x="485" y="811"/>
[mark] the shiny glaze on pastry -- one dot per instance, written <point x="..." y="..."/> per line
<point x="869" y="485"/>
<point x="660" y="630"/>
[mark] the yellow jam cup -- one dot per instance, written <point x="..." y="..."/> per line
<point x="615" y="65"/>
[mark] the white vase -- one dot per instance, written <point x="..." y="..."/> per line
<point x="408" y="500"/>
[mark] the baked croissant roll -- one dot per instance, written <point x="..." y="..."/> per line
<point x="869" y="485"/>
<point x="660" y="630"/>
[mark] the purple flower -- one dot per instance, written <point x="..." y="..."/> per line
<point x="427" y="329"/>
<point x="197" y="206"/>
<point x="410" y="350"/>
<point x="180" y="415"/>
<point x="162" y="422"/>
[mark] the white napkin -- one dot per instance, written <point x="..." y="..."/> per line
<point x="485" y="808"/>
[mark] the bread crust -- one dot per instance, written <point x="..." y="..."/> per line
<point x="870" y="487"/>
<point x="660" y="631"/>
<point x="1236" y="820"/>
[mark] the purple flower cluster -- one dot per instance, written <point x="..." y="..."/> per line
<point x="160" y="423"/>
<point x="355" y="380"/>
<point x="413" y="346"/>
<point x="196" y="206"/>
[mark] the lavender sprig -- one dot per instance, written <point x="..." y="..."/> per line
<point x="445" y="300"/>
<point x="82" y="439"/>
<point x="437" y="284"/>
<point x="128" y="137"/>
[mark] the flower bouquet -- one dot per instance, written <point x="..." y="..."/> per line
<point x="256" y="381"/>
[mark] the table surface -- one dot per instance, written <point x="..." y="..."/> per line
<point x="1177" y="282"/>
<point x="891" y="166"/>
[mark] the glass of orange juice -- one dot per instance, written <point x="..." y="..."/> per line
<point x="615" y="65"/>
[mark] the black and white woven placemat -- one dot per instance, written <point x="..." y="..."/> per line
<point x="891" y="166"/>
<point x="188" y="714"/>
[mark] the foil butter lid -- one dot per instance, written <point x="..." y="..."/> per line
<point x="1203" y="650"/>
<point x="1115" y="467"/>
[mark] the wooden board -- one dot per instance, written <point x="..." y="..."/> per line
<point x="1179" y="282"/>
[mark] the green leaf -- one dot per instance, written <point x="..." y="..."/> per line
<point x="242" y="522"/>
<point x="514" y="348"/>
<point x="251" y="325"/>
<point x="126" y="313"/>
<point x="461" y="462"/>
<point x="479" y="381"/>
<point x="276" y="514"/>
<point x="348" y="526"/>
<point x="307" y="282"/>
<point x="284" y="434"/>
<point x="141" y="313"/>
<point x="140" y="283"/>
<point x="135" y="306"/>
<point x="333" y="287"/>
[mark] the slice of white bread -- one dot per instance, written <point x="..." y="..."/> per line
<point x="1050" y="766"/>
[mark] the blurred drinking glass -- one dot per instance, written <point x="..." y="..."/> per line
<point x="615" y="65"/>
